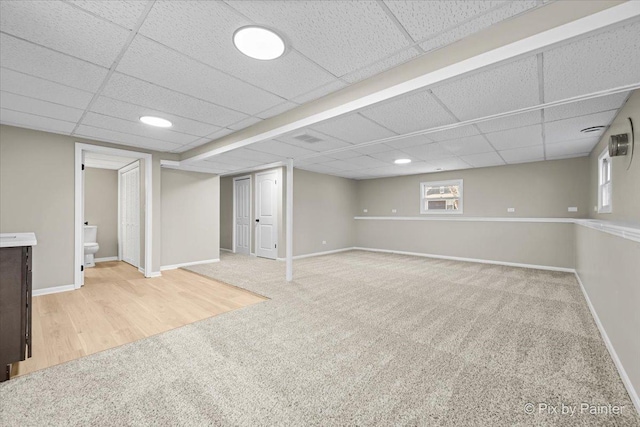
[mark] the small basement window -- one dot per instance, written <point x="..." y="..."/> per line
<point x="441" y="197"/>
<point x="604" y="182"/>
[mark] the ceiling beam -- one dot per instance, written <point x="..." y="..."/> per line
<point x="529" y="33"/>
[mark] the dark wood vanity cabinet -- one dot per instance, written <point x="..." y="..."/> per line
<point x="15" y="307"/>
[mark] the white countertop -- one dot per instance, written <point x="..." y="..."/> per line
<point x="12" y="240"/>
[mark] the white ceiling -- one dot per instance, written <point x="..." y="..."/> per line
<point x="92" y="68"/>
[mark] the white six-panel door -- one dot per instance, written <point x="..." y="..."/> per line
<point x="242" y="208"/>
<point x="130" y="215"/>
<point x="267" y="215"/>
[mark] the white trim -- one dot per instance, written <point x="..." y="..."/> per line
<point x="187" y="264"/>
<point x="106" y="259"/>
<point x="153" y="274"/>
<point x="233" y="231"/>
<point x="226" y="250"/>
<point x="131" y="166"/>
<point x="53" y="290"/>
<point x="604" y="156"/>
<point x="633" y="394"/>
<point x="534" y="43"/>
<point x="278" y="172"/>
<point x="626" y="231"/>
<point x="141" y="270"/>
<point x="78" y="201"/>
<point x="313" y="254"/>
<point x="289" y="221"/>
<point x="465" y="218"/>
<point x="478" y="260"/>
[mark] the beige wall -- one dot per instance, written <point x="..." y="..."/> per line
<point x="101" y="208"/>
<point x="37" y="194"/>
<point x="323" y="210"/>
<point x="540" y="189"/>
<point x="626" y="183"/>
<point x="190" y="217"/>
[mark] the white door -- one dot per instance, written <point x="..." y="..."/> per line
<point x="130" y="214"/>
<point x="267" y="215"/>
<point x="242" y="207"/>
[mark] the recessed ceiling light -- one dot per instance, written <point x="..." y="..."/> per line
<point x="402" y="161"/>
<point x="156" y="121"/>
<point x="592" y="129"/>
<point x="258" y="43"/>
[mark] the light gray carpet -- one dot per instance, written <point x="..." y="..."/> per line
<point x="358" y="339"/>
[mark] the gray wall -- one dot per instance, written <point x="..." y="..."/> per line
<point x="101" y="208"/>
<point x="190" y="212"/>
<point x="37" y="194"/>
<point x="608" y="265"/>
<point x="323" y="210"/>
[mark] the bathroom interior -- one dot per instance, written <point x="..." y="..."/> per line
<point x="113" y="215"/>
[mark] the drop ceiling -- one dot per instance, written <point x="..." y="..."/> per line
<point x="92" y="68"/>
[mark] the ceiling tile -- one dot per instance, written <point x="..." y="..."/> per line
<point x="106" y="161"/>
<point x="38" y="107"/>
<point x="244" y="123"/>
<point x="64" y="28"/>
<point x="381" y="65"/>
<point x="31" y="121"/>
<point x="511" y="122"/>
<point x="342" y="165"/>
<point x="255" y="156"/>
<point x="455" y="133"/>
<point x="33" y="87"/>
<point x="427" y="152"/>
<point x="136" y="128"/>
<point x="515" y="138"/>
<point x="477" y="23"/>
<point x="126" y="111"/>
<point x="233" y="163"/>
<point x="504" y="88"/>
<point x="320" y="168"/>
<point x="575" y="109"/>
<point x="138" y="92"/>
<point x="152" y="62"/>
<point x="424" y="19"/>
<point x="320" y="92"/>
<point x="124" y="13"/>
<point x="281" y="149"/>
<point x="409" y="113"/>
<point x="124" y="138"/>
<point x="353" y="128"/>
<point x="569" y="129"/>
<point x="570" y="148"/>
<point x="344" y="155"/>
<point x="375" y="148"/>
<point x="366" y="162"/>
<point x="313" y="160"/>
<point x="390" y="156"/>
<point x="326" y="142"/>
<point x="524" y="154"/>
<point x="278" y="109"/>
<point x="483" y="160"/>
<point x="41" y="62"/>
<point x="469" y="145"/>
<point x="449" y="164"/>
<point x="411" y="141"/>
<point x="341" y="36"/>
<point x="602" y="61"/>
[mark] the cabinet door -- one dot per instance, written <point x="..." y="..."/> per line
<point x="12" y="306"/>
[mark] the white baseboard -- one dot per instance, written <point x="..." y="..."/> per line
<point x="154" y="274"/>
<point x="53" y="290"/>
<point x="226" y="250"/>
<point x="187" y="264"/>
<point x="633" y="394"/>
<point x="312" y="254"/>
<point x="478" y="260"/>
<point x="106" y="259"/>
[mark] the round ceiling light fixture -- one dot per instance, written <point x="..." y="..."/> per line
<point x="156" y="121"/>
<point x="402" y="161"/>
<point x="259" y="43"/>
<point x="592" y="129"/>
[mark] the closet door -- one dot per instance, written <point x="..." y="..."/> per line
<point x="130" y="215"/>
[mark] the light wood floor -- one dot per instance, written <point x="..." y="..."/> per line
<point x="117" y="305"/>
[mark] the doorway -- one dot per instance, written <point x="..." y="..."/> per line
<point x="137" y="174"/>
<point x="267" y="214"/>
<point x="242" y="214"/>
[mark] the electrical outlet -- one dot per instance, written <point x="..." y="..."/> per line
<point x="394" y="210"/>
<point x="324" y="242"/>
<point x="511" y="209"/>
<point x="365" y="210"/>
<point x="573" y="209"/>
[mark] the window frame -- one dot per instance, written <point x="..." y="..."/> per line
<point x="458" y="182"/>
<point x="604" y="182"/>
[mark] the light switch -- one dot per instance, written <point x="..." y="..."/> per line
<point x="511" y="209"/>
<point x="573" y="209"/>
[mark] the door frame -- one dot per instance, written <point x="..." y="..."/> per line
<point x="130" y="166"/>
<point x="278" y="172"/>
<point x="80" y="148"/>
<point x="233" y="233"/>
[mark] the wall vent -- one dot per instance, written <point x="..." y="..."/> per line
<point x="305" y="137"/>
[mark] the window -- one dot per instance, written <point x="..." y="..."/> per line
<point x="604" y="182"/>
<point x="442" y="197"/>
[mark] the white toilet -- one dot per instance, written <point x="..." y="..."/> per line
<point x="90" y="244"/>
